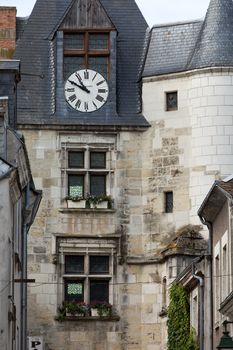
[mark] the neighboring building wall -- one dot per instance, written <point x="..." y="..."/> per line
<point x="18" y="205"/>
<point x="197" y="136"/>
<point x="7" y="31"/>
<point x="221" y="267"/>
<point x="6" y="263"/>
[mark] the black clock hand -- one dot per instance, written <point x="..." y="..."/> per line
<point x="82" y="87"/>
<point x="80" y="80"/>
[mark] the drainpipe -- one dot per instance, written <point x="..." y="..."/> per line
<point x="210" y="255"/>
<point x="24" y="276"/>
<point x="201" y="308"/>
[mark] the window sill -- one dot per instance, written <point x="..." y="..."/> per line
<point x="91" y="318"/>
<point x="87" y="210"/>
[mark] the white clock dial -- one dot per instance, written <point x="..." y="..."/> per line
<point x="86" y="90"/>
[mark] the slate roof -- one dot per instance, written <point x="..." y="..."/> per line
<point x="170" y="47"/>
<point x="178" y="47"/>
<point x="37" y="54"/>
<point x="20" y="25"/>
<point x="215" y="199"/>
<point x="215" y="44"/>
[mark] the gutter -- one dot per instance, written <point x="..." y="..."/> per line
<point x="201" y="307"/>
<point x="210" y="258"/>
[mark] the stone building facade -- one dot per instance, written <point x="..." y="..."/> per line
<point x="154" y="147"/>
<point x="19" y="201"/>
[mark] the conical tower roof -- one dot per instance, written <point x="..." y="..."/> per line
<point x="214" y="46"/>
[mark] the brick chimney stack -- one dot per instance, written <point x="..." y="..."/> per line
<point x="7" y="31"/>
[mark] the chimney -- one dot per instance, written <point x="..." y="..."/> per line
<point x="7" y="31"/>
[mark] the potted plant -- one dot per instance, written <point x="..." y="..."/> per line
<point x="74" y="308"/>
<point x="100" y="308"/>
<point x="99" y="202"/>
<point x="71" y="308"/>
<point x="76" y="202"/>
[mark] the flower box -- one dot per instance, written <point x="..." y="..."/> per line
<point x="80" y="204"/>
<point x="75" y="314"/>
<point x="101" y="205"/>
<point x="94" y="312"/>
<point x="100" y="309"/>
<point x="100" y="313"/>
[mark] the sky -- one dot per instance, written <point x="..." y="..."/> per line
<point x="154" y="11"/>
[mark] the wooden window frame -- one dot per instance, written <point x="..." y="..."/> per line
<point x="87" y="171"/>
<point x="86" y="53"/>
<point x="87" y="277"/>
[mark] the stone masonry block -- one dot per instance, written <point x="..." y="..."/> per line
<point x="220" y="80"/>
<point x="215" y="100"/>
<point x="221" y="140"/>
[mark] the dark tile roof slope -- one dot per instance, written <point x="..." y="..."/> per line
<point x="215" y="199"/>
<point x="226" y="186"/>
<point x="184" y="46"/>
<point x="170" y="47"/>
<point x="20" y="25"/>
<point x="36" y="51"/>
<point x="215" y="43"/>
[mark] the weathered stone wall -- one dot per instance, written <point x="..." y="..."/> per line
<point x="137" y="291"/>
<point x="183" y="151"/>
<point x="199" y="133"/>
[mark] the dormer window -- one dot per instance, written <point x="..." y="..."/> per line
<point x="89" y="49"/>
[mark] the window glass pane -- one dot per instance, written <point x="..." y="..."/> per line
<point x="171" y="101"/>
<point x="99" y="64"/>
<point x="74" y="264"/>
<point x="73" y="41"/>
<point x="168" y="202"/>
<point x="76" y="159"/>
<point x="99" y="264"/>
<point x="98" y="160"/>
<point x="73" y="290"/>
<point x="76" y="185"/>
<point x="98" y="41"/>
<point x="72" y="64"/>
<point x="98" y="185"/>
<point x="99" y="290"/>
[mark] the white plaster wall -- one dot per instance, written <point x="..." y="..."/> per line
<point x="211" y="112"/>
<point x="205" y="105"/>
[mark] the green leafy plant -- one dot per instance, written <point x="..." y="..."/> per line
<point x="180" y="336"/>
<point x="71" y="307"/>
<point x="103" y="307"/>
<point x="94" y="200"/>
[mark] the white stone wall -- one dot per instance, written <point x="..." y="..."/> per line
<point x="211" y="112"/>
<point x="205" y="109"/>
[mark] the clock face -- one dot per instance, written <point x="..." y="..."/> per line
<point x="86" y="90"/>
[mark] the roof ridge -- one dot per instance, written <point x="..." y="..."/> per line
<point x="171" y="24"/>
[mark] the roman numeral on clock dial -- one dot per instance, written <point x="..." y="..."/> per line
<point x="86" y="74"/>
<point x="86" y="106"/>
<point x="100" y="82"/>
<point x="78" y="104"/>
<point x="102" y="91"/>
<point x="72" y="98"/>
<point x="99" y="98"/>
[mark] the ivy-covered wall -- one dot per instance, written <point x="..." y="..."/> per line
<point x="180" y="336"/>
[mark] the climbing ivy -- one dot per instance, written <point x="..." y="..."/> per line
<point x="180" y="337"/>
